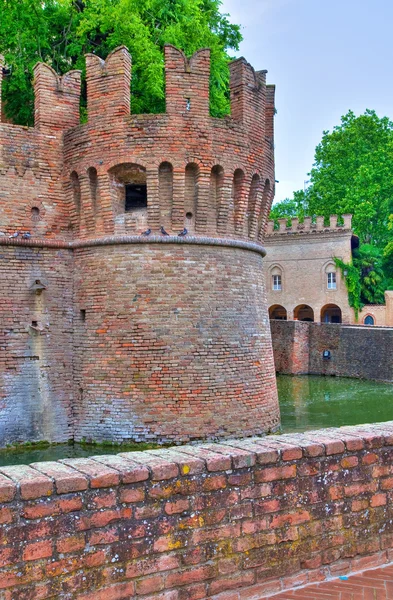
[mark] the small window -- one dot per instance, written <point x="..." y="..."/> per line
<point x="136" y="197"/>
<point x="331" y="281"/>
<point x="369" y="320"/>
<point x="276" y="282"/>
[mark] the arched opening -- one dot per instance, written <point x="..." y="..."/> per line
<point x="331" y="276"/>
<point x="76" y="191"/>
<point x="331" y="313"/>
<point x="276" y="278"/>
<point x="191" y="195"/>
<point x="265" y="210"/>
<point x="237" y="209"/>
<point x="93" y="180"/>
<point x="303" y="312"/>
<point x="278" y="313"/>
<point x="165" y="191"/>
<point x="252" y="204"/>
<point x="129" y="189"/>
<point x="215" y="196"/>
<point x="369" y="320"/>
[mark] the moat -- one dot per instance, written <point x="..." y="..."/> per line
<point x="306" y="402"/>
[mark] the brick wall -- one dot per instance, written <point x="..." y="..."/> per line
<point x="174" y="340"/>
<point x="232" y="521"/>
<point x="363" y="352"/>
<point x="35" y="344"/>
<point x="157" y="343"/>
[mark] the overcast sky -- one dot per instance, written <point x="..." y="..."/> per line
<point x="325" y="57"/>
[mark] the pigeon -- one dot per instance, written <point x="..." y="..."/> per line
<point x="183" y="233"/>
<point x="14" y="235"/>
<point x="147" y="232"/>
<point x="26" y="236"/>
<point x="163" y="231"/>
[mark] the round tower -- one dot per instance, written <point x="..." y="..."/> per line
<point x="172" y="338"/>
<point x="145" y="233"/>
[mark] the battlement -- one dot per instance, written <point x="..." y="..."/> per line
<point x="122" y="174"/>
<point x="308" y="226"/>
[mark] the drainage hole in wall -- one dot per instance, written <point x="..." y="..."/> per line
<point x="189" y="215"/>
<point x="83" y="315"/>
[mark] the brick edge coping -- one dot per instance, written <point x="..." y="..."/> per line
<point x="305" y="580"/>
<point x="27" y="482"/>
<point x="136" y="239"/>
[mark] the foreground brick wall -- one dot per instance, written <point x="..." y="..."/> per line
<point x="363" y="352"/>
<point x="199" y="522"/>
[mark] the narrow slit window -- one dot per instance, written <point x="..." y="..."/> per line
<point x="136" y="197"/>
<point x="277" y="282"/>
<point x="331" y="281"/>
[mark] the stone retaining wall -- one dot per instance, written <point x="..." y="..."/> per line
<point x="230" y="521"/>
<point x="355" y="351"/>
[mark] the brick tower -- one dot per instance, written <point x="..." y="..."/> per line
<point x="111" y="329"/>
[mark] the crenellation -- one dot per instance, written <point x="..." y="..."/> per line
<point x="108" y="85"/>
<point x="57" y="99"/>
<point x="308" y="225"/>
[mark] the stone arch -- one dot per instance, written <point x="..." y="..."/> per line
<point x="331" y="313"/>
<point x="278" y="313"/>
<point x="165" y="193"/>
<point x="191" y="186"/>
<point x="303" y="312"/>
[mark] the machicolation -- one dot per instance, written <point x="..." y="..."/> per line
<point x="111" y="329"/>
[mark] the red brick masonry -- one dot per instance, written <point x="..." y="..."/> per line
<point x="373" y="584"/>
<point x="230" y="521"/>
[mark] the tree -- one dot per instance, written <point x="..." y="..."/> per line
<point x="352" y="174"/>
<point x="290" y="207"/>
<point x="60" y="32"/>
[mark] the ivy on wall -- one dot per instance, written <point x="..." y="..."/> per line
<point x="353" y="283"/>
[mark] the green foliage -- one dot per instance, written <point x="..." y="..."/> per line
<point x="289" y="208"/>
<point x="60" y="32"/>
<point x="351" y="276"/>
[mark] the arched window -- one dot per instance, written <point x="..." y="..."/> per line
<point x="331" y="276"/>
<point x="276" y="279"/>
<point x="369" y="320"/>
<point x="191" y="195"/>
<point x="93" y="180"/>
<point x="165" y="192"/>
<point x="76" y="191"/>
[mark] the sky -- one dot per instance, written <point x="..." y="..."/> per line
<point x="325" y="57"/>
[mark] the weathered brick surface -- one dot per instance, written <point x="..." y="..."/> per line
<point x="240" y="524"/>
<point x="355" y="351"/>
<point x="136" y="337"/>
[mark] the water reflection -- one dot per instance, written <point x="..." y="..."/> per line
<point x="312" y="402"/>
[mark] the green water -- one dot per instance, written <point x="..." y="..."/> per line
<point x="307" y="402"/>
<point x="313" y="402"/>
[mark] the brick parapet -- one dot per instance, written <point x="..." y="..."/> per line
<point x="239" y="519"/>
<point x="307" y="226"/>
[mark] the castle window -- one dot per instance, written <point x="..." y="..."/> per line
<point x="369" y="320"/>
<point x="276" y="282"/>
<point x="331" y="281"/>
<point x="136" y="197"/>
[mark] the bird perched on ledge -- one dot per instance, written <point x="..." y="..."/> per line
<point x="26" y="236"/>
<point x="14" y="235"/>
<point x="183" y="233"/>
<point x="163" y="232"/>
<point x="147" y="232"/>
